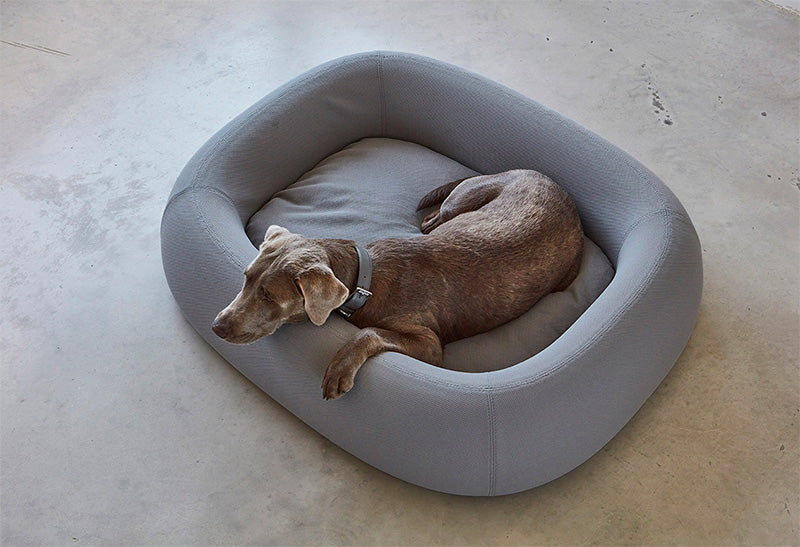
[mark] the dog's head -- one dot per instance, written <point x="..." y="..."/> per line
<point x="288" y="282"/>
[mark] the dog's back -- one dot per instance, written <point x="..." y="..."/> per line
<point x="497" y="245"/>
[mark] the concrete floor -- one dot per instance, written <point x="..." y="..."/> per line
<point x="119" y="424"/>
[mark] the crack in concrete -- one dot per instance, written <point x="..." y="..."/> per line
<point x="38" y="48"/>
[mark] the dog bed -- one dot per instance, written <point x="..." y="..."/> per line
<point x="346" y="150"/>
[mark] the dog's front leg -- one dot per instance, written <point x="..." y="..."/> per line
<point x="420" y="343"/>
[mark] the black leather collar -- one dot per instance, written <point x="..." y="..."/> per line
<point x="359" y="296"/>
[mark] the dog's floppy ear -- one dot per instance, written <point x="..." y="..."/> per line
<point x="322" y="292"/>
<point x="273" y="232"/>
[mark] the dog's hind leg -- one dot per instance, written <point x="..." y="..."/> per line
<point x="416" y="341"/>
<point x="470" y="195"/>
<point x="438" y="195"/>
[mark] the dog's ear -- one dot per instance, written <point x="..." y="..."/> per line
<point x="322" y="292"/>
<point x="273" y="232"/>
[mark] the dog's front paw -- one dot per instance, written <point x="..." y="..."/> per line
<point x="338" y="381"/>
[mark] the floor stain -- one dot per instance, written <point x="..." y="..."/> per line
<point x="89" y="212"/>
<point x="660" y="108"/>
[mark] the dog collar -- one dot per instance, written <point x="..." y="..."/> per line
<point x="359" y="296"/>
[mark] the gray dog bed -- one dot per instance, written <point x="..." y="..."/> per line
<point x="346" y="150"/>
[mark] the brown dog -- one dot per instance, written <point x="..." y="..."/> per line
<point x="497" y="244"/>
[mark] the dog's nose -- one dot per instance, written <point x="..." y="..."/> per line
<point x="221" y="328"/>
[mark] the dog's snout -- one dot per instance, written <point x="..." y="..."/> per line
<point x="221" y="328"/>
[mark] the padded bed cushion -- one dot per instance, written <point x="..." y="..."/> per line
<point x="346" y="150"/>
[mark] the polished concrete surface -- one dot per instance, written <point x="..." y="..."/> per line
<point x="120" y="425"/>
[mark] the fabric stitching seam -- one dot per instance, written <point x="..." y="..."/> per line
<point x="382" y="95"/>
<point x="211" y="234"/>
<point x="188" y="189"/>
<point x="492" y="444"/>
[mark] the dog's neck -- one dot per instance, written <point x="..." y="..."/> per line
<point x="343" y="260"/>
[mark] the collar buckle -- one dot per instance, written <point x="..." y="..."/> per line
<point x="363" y="292"/>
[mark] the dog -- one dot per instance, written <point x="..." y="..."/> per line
<point x="493" y="246"/>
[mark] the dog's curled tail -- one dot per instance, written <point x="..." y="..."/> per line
<point x="437" y="196"/>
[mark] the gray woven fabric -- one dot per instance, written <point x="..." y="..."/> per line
<point x="485" y="433"/>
